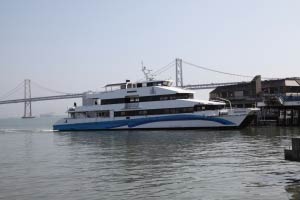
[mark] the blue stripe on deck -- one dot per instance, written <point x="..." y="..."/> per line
<point x="131" y="123"/>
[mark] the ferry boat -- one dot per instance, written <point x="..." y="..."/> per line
<point x="151" y="104"/>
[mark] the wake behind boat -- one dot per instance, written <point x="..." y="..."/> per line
<point x="152" y="104"/>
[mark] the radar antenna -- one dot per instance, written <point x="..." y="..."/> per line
<point x="147" y="73"/>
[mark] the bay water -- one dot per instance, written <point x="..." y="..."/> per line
<point x="38" y="163"/>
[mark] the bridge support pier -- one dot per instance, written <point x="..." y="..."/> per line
<point x="179" y="78"/>
<point x="27" y="97"/>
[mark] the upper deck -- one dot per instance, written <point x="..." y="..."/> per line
<point x="148" y="88"/>
<point x="140" y="91"/>
<point x="130" y="85"/>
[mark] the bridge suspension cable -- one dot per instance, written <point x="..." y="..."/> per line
<point x="217" y="71"/>
<point x="164" y="68"/>
<point x="12" y="91"/>
<point x="222" y="72"/>
<point x="48" y="89"/>
<point x="20" y="86"/>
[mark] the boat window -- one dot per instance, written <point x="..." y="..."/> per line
<point x="155" y="84"/>
<point x="123" y="86"/>
<point x="188" y="110"/>
<point x="207" y="107"/>
<point x="173" y="97"/>
<point x="143" y="112"/>
<point x="139" y="85"/>
<point x="166" y="83"/>
<point x="173" y="111"/>
<point x="80" y="115"/>
<point x="149" y="84"/>
<point x="134" y="99"/>
<point x="112" y="101"/>
<point x="163" y="98"/>
<point x="131" y="99"/>
<point x="102" y="114"/>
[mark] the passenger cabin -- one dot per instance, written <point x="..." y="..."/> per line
<point x="129" y="85"/>
<point x="126" y="100"/>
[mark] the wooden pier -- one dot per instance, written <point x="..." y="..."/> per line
<point x="289" y="116"/>
<point x="282" y="115"/>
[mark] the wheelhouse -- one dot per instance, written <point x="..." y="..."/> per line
<point x="129" y="85"/>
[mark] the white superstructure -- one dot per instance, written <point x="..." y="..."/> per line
<point x="151" y="104"/>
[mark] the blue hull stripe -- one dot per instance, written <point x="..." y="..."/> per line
<point x="131" y="123"/>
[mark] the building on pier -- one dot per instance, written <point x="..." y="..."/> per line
<point x="279" y="99"/>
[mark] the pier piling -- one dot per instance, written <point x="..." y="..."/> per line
<point x="294" y="153"/>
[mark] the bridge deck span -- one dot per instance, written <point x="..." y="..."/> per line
<point x="67" y="96"/>
<point x="79" y="95"/>
<point x="209" y="85"/>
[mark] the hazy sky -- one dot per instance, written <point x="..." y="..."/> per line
<point x="76" y="46"/>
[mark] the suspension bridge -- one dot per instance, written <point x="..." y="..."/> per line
<point x="178" y="63"/>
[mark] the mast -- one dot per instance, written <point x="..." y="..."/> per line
<point x="147" y="73"/>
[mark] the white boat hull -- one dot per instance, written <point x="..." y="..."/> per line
<point x="195" y="120"/>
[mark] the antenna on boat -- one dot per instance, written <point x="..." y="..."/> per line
<point x="147" y="73"/>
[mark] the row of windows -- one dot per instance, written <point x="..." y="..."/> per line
<point x="91" y="114"/>
<point x="154" y="111"/>
<point x="207" y="107"/>
<point x="149" y="84"/>
<point x="167" y="110"/>
<point x="147" y="98"/>
<point x="104" y="114"/>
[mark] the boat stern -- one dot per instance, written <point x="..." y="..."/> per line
<point x="250" y="117"/>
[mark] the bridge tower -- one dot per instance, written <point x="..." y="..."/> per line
<point x="179" y="76"/>
<point x="27" y="97"/>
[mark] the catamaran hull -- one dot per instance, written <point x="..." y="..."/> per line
<point x="179" y="121"/>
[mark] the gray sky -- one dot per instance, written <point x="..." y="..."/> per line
<point x="75" y="46"/>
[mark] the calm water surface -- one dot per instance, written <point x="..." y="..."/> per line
<point x="36" y="163"/>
